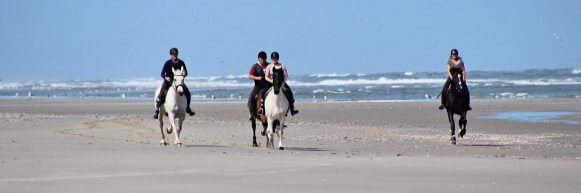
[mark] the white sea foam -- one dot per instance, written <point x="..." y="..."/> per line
<point x="322" y="75"/>
<point x="576" y="71"/>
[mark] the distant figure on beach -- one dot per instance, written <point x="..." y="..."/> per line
<point x="274" y="56"/>
<point x="455" y="65"/>
<point x="167" y="74"/>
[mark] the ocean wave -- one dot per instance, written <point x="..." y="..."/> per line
<point x="378" y="81"/>
<point x="123" y="84"/>
<point x="322" y="75"/>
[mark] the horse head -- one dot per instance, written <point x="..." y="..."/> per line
<point x="178" y="81"/>
<point x="277" y="79"/>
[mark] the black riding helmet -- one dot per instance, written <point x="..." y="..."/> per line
<point x="173" y="51"/>
<point x="274" y="56"/>
<point x="262" y="54"/>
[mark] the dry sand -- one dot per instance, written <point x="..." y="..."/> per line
<point x="106" y="145"/>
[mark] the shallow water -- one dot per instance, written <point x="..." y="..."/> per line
<point x="536" y="117"/>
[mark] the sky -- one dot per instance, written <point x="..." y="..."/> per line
<point x="115" y="39"/>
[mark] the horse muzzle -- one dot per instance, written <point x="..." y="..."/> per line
<point x="180" y="90"/>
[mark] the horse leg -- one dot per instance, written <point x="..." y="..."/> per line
<point x="180" y="124"/>
<point x="452" y="127"/>
<point x="280" y="132"/>
<point x="264" y="127"/>
<point x="462" y="123"/>
<point x="162" y="142"/>
<point x="253" y="122"/>
<point x="170" y="126"/>
<point x="172" y="121"/>
<point x="269" y="133"/>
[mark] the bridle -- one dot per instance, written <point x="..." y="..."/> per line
<point x="458" y="87"/>
<point x="177" y="85"/>
<point x="278" y="79"/>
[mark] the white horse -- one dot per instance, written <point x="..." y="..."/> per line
<point x="174" y="107"/>
<point x="276" y="107"/>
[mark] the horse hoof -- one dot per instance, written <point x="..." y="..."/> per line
<point x="263" y="133"/>
<point x="169" y="130"/>
<point x="254" y="144"/>
<point x="179" y="144"/>
<point x="462" y="133"/>
<point x="280" y="148"/>
<point x="453" y="140"/>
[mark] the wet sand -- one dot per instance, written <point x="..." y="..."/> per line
<point x="107" y="145"/>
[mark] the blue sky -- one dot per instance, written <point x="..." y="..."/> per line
<point x="111" y="39"/>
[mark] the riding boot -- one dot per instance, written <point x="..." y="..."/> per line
<point x="292" y="109"/>
<point x="188" y="99"/>
<point x="291" y="99"/>
<point x="468" y="107"/>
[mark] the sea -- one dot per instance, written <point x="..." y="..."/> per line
<point x="320" y="87"/>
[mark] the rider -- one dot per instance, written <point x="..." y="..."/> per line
<point x="257" y="74"/>
<point x="274" y="56"/>
<point x="455" y="63"/>
<point x="167" y="75"/>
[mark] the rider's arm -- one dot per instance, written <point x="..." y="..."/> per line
<point x="185" y="68"/>
<point x="164" y="71"/>
<point x="285" y="72"/>
<point x="267" y="74"/>
<point x="449" y="73"/>
<point x="251" y="74"/>
<point x="463" y="72"/>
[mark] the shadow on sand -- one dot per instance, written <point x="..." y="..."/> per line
<point x="205" y="146"/>
<point x="482" y="145"/>
<point x="305" y="149"/>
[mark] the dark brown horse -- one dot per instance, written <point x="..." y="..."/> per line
<point x="254" y="116"/>
<point x="456" y="104"/>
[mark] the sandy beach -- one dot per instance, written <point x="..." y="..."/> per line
<point x="110" y="145"/>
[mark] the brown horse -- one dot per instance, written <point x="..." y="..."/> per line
<point x="254" y="115"/>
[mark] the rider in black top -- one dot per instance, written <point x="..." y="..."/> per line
<point x="257" y="73"/>
<point x="167" y="75"/>
<point x="455" y="64"/>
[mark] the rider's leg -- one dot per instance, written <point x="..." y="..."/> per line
<point x="291" y="98"/>
<point x="188" y="100"/>
<point x="263" y="94"/>
<point x="468" y="96"/>
<point x="160" y="97"/>
<point x="443" y="95"/>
